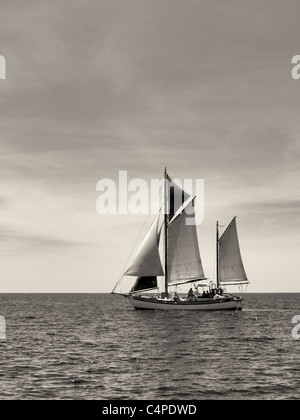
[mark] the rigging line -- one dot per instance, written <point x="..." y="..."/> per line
<point x="221" y="233"/>
<point x="214" y="269"/>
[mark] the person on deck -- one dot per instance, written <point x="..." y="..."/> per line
<point x="176" y="297"/>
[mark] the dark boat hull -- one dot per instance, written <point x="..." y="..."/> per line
<point x="232" y="303"/>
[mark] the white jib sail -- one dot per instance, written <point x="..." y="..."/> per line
<point x="147" y="260"/>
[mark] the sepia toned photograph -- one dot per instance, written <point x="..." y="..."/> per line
<point x="150" y="202"/>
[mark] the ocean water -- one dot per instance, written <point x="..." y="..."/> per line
<point x="77" y="346"/>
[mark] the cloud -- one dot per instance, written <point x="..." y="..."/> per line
<point x="96" y="87"/>
<point x="15" y="240"/>
<point x="274" y="206"/>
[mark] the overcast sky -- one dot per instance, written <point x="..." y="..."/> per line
<point x="97" y="86"/>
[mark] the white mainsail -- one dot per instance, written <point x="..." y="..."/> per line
<point x="147" y="260"/>
<point x="231" y="267"/>
<point x="184" y="261"/>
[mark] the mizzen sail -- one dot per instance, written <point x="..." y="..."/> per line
<point x="231" y="267"/>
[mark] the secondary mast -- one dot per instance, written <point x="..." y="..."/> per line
<point x="166" y="222"/>
<point x="217" y="254"/>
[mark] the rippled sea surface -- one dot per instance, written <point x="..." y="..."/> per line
<point x="98" y="347"/>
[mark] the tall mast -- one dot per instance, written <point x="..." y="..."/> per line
<point x="166" y="231"/>
<point x="217" y="254"/>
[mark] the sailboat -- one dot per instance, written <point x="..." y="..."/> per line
<point x="181" y="263"/>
